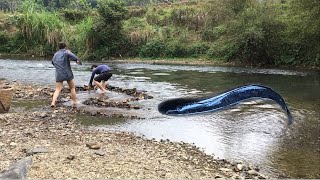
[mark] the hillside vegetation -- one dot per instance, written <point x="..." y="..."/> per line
<point x="255" y="32"/>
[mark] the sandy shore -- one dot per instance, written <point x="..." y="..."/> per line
<point x="61" y="148"/>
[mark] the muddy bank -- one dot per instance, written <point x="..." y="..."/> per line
<point x="62" y="148"/>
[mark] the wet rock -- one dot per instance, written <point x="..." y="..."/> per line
<point x="106" y="103"/>
<point x="43" y="115"/>
<point x="236" y="177"/>
<point x="262" y="176"/>
<point x="132" y="92"/>
<point x="93" y="146"/>
<point x="239" y="167"/>
<point x="93" y="113"/>
<point x="253" y="172"/>
<point x="37" y="151"/>
<point x="218" y="176"/>
<point x="136" y="107"/>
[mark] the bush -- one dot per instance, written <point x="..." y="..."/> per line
<point x="198" y="49"/>
<point x="11" y="44"/>
<point x="136" y="12"/>
<point x="158" y="16"/>
<point x="74" y="15"/>
<point x="212" y="34"/>
<point x="302" y="33"/>
<point x="224" y="51"/>
<point x="175" y="49"/>
<point x="253" y="36"/>
<point x="4" y="42"/>
<point x="153" y="49"/>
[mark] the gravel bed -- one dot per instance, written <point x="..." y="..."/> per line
<point x="61" y="148"/>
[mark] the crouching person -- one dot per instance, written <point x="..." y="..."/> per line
<point x="104" y="73"/>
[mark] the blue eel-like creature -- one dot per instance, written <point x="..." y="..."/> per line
<point x="186" y="106"/>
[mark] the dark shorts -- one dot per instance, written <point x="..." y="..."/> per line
<point x="103" y="77"/>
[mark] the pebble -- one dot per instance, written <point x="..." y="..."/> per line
<point x="239" y="167"/>
<point x="100" y="153"/>
<point x="13" y="144"/>
<point x="93" y="146"/>
<point x="253" y="172"/>
<point x="37" y="150"/>
<point x="225" y="170"/>
<point x="43" y="115"/>
<point x="71" y="157"/>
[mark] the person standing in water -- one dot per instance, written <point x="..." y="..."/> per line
<point x="104" y="73"/>
<point x="61" y="61"/>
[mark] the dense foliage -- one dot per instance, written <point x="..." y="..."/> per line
<point x="283" y="32"/>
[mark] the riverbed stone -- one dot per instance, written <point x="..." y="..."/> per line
<point x="100" y="152"/>
<point x="71" y="157"/>
<point x="43" y="115"/>
<point x="239" y="167"/>
<point x="17" y="170"/>
<point x="253" y="172"/>
<point x="37" y="150"/>
<point x="13" y="144"/>
<point x="93" y="146"/>
<point x="225" y="170"/>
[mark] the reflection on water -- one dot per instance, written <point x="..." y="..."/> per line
<point x="299" y="151"/>
<point x="254" y="131"/>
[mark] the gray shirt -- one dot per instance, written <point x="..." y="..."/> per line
<point x="61" y="61"/>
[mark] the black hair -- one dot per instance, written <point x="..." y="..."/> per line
<point x="93" y="66"/>
<point x="62" y="45"/>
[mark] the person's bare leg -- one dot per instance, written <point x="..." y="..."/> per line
<point x="104" y="85"/>
<point x="100" y="86"/>
<point x="73" y="92"/>
<point x="56" y="93"/>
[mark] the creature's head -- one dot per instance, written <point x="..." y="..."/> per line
<point x="170" y="107"/>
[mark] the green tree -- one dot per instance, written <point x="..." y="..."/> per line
<point x="303" y="32"/>
<point x="109" y="34"/>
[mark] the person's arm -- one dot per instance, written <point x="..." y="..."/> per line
<point x="92" y="76"/>
<point x="73" y="57"/>
<point x="53" y="58"/>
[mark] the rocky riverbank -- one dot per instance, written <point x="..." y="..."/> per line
<point x="61" y="148"/>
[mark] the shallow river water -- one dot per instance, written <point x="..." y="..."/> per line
<point x="255" y="132"/>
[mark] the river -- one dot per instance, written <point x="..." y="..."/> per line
<point x="255" y="132"/>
